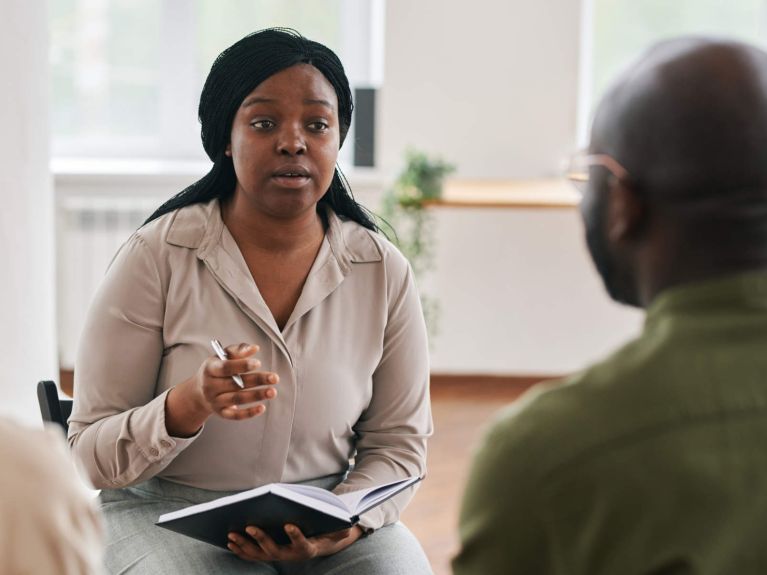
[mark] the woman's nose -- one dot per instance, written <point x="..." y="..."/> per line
<point x="291" y="141"/>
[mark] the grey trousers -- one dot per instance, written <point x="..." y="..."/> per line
<point x="136" y="546"/>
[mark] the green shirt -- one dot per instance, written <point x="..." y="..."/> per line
<point x="651" y="462"/>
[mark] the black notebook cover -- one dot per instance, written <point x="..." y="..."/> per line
<point x="269" y="512"/>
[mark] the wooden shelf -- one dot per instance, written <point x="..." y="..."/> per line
<point x="554" y="193"/>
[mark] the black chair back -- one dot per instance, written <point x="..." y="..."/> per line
<point x="52" y="408"/>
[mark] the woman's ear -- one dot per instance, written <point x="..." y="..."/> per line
<point x="626" y="213"/>
<point x="228" y="151"/>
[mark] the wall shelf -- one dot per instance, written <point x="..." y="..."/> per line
<point x="552" y="193"/>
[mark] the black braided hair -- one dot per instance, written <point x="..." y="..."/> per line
<point x="235" y="74"/>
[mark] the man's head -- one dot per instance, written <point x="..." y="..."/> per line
<point x="678" y="177"/>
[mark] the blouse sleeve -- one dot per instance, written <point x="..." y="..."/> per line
<point x="117" y="427"/>
<point x="392" y="432"/>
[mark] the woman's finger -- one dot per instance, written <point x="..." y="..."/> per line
<point x="244" y="397"/>
<point x="267" y="544"/>
<point x="235" y="412"/>
<point x="336" y="536"/>
<point x="300" y="543"/>
<point x="223" y="368"/>
<point x="246" y="548"/>
<point x="259" y="378"/>
<point x="241" y="350"/>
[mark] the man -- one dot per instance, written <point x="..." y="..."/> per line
<point x="48" y="521"/>
<point x="655" y="460"/>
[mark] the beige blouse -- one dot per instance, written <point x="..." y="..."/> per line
<point x="352" y="361"/>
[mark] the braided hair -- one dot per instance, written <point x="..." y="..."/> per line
<point x="235" y="73"/>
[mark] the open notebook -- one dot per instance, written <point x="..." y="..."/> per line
<point x="270" y="507"/>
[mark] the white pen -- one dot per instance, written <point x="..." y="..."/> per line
<point x="219" y="349"/>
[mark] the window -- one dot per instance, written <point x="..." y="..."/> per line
<point x="126" y="75"/>
<point x="614" y="32"/>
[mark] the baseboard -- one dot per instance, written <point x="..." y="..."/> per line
<point x="483" y="385"/>
<point x="452" y="384"/>
<point x="66" y="381"/>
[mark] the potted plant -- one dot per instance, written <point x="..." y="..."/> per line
<point x="404" y="209"/>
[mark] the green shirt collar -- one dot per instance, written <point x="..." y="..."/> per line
<point x="748" y="289"/>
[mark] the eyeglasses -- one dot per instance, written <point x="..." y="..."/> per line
<point x="579" y="172"/>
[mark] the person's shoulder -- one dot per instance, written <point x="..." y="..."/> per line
<point x="40" y="459"/>
<point x="367" y="245"/>
<point x="23" y="443"/>
<point x="157" y="243"/>
<point x="46" y="502"/>
<point x="517" y="433"/>
<point x="556" y="421"/>
<point x="183" y="227"/>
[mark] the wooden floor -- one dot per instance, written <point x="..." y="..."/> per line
<point x="462" y="407"/>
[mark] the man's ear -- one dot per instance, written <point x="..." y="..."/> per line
<point x="626" y="212"/>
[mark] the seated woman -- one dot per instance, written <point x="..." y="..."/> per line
<point x="269" y="249"/>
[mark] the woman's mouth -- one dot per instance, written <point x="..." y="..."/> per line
<point x="291" y="178"/>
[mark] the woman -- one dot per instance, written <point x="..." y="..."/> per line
<point x="270" y="249"/>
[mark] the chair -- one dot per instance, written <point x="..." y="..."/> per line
<point x="52" y="408"/>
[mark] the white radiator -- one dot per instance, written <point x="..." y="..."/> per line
<point x="90" y="229"/>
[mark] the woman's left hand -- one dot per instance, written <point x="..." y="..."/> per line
<point x="260" y="547"/>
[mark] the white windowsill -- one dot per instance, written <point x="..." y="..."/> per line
<point x="90" y="171"/>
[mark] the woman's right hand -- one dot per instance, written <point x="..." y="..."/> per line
<point x="212" y="390"/>
<point x="218" y="393"/>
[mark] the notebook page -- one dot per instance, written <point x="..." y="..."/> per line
<point x="311" y="501"/>
<point x="317" y="493"/>
<point x="366" y="498"/>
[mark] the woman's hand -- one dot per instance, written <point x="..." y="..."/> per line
<point x="212" y="390"/>
<point x="260" y="547"/>
<point x="219" y="394"/>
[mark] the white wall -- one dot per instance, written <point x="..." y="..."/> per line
<point x="518" y="294"/>
<point x="489" y="84"/>
<point x="492" y="86"/>
<point x="27" y="330"/>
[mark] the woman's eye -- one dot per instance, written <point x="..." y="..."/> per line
<point x="318" y="126"/>
<point x="262" y="124"/>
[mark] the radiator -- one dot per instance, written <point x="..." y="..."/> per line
<point x="90" y="230"/>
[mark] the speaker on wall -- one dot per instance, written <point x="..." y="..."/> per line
<point x="364" y="126"/>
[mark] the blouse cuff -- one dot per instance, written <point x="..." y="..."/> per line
<point x="151" y="435"/>
<point x="371" y="520"/>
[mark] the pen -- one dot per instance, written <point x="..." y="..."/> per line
<point x="219" y="349"/>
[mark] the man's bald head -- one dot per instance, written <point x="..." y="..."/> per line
<point x="690" y="118"/>
<point x="688" y="122"/>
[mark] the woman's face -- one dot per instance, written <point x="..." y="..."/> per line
<point x="284" y="143"/>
